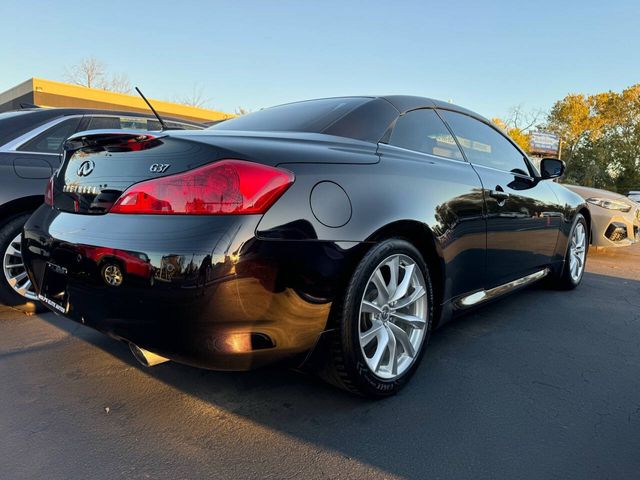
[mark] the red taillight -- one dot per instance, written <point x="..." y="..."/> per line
<point x="48" y="193"/>
<point x="227" y="187"/>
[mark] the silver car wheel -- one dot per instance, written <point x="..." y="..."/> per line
<point x="393" y="316"/>
<point x="15" y="271"/>
<point x="577" y="252"/>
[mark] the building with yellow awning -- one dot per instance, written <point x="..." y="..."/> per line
<point x="47" y="93"/>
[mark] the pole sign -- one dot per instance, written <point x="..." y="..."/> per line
<point x="544" y="143"/>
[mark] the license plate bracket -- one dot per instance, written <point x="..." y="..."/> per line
<point x="54" y="287"/>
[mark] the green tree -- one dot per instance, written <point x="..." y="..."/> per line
<point x="601" y="138"/>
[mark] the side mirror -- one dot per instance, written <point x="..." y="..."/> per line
<point x="551" y="168"/>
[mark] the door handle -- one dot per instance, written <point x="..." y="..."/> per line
<point x="499" y="194"/>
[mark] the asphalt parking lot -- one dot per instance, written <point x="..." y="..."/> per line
<point x="542" y="384"/>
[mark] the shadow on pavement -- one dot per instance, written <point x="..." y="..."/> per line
<point x="539" y="384"/>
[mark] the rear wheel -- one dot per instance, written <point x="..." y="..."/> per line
<point x="384" y="321"/>
<point x="16" y="289"/>
<point x="575" y="257"/>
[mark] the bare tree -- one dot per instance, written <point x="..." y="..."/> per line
<point x="519" y="124"/>
<point x="196" y="98"/>
<point x="88" y="73"/>
<point x="119" y="82"/>
<point x="242" y="111"/>
<point x="92" y="73"/>
<point x="519" y="118"/>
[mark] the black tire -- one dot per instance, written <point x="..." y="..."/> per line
<point x="8" y="296"/>
<point x="346" y="366"/>
<point x="564" y="279"/>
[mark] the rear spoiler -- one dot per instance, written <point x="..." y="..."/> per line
<point x="113" y="140"/>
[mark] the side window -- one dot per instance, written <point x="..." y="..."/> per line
<point x="423" y="131"/>
<point x="484" y="145"/>
<point x="51" y="140"/>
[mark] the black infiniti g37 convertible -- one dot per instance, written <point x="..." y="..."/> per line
<point x="336" y="233"/>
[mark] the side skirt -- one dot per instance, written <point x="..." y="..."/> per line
<point x="476" y="298"/>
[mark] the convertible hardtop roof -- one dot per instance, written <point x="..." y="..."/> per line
<point x="405" y="103"/>
<point x="360" y="117"/>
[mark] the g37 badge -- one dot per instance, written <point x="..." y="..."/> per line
<point x="159" y="167"/>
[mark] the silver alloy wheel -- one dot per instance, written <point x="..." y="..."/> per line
<point x="15" y="272"/>
<point x="393" y="316"/>
<point x="577" y="252"/>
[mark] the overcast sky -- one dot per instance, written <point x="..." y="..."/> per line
<point x="485" y="55"/>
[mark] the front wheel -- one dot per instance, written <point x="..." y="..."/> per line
<point x="575" y="257"/>
<point x="383" y="321"/>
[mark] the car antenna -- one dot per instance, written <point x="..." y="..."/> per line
<point x="162" y="124"/>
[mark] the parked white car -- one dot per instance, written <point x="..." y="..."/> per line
<point x="615" y="219"/>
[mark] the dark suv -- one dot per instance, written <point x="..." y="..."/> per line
<point x="30" y="146"/>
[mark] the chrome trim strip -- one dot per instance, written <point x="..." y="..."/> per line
<point x="475" y="298"/>
<point x="24" y="152"/>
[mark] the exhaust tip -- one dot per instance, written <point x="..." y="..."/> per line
<point x="145" y="357"/>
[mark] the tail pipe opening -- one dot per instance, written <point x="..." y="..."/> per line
<point x="145" y="357"/>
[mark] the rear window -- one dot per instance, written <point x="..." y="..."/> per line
<point x="311" y="116"/>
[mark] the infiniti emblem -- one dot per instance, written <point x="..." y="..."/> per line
<point x="86" y="168"/>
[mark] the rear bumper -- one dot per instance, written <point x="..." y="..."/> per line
<point x="199" y="290"/>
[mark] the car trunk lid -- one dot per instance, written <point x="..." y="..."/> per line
<point x="99" y="166"/>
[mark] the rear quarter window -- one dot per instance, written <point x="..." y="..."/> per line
<point x="423" y="131"/>
<point x="16" y="123"/>
<point x="52" y="139"/>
